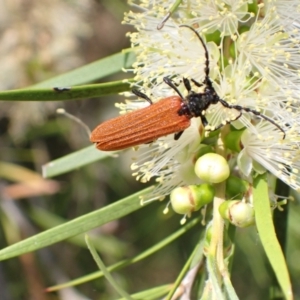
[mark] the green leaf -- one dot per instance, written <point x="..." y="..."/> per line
<point x="105" y="244"/>
<point x="91" y="72"/>
<point x="265" y="227"/>
<point x="215" y="286"/>
<point x="73" y="161"/>
<point x="77" y="226"/>
<point x="231" y="293"/>
<point x="171" y="10"/>
<point x="103" y="268"/>
<point x="130" y="261"/>
<point x="151" y="294"/>
<point x="72" y="93"/>
<point x="193" y="261"/>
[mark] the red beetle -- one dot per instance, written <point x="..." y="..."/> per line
<point x="167" y="116"/>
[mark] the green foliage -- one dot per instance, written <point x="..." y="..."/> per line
<point x="192" y="256"/>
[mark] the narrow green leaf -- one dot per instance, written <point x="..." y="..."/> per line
<point x="171" y="10"/>
<point x="67" y="93"/>
<point x="265" y="227"/>
<point x="74" y="161"/>
<point x="231" y="293"/>
<point x="105" y="244"/>
<point x="106" y="273"/>
<point x="91" y="72"/>
<point x="126" y="262"/>
<point x="151" y="294"/>
<point x="77" y="226"/>
<point x="213" y="278"/>
<point x="198" y="252"/>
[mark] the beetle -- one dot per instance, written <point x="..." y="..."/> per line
<point x="141" y="126"/>
<point x="167" y="116"/>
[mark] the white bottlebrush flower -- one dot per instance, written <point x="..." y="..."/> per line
<point x="169" y="161"/>
<point x="223" y="16"/>
<point x="172" y="51"/>
<point x="270" y="51"/>
<point x="254" y="62"/>
<point x="237" y="87"/>
<point x="280" y="157"/>
<point x="288" y="12"/>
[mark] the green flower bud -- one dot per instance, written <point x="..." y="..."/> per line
<point x="212" y="168"/>
<point x="214" y="37"/>
<point x="210" y="135"/>
<point x="236" y="187"/>
<point x="186" y="200"/>
<point x="232" y="140"/>
<point x="238" y="213"/>
<point x="243" y="28"/>
<point x="252" y="7"/>
<point x="204" y="149"/>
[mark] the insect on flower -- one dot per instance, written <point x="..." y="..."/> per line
<point x="167" y="116"/>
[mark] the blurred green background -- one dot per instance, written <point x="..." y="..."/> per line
<point x="42" y="39"/>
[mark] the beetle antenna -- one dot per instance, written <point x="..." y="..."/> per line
<point x="206" y="69"/>
<point x="210" y="97"/>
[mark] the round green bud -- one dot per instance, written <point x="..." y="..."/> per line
<point x="203" y="149"/>
<point x="238" y="213"/>
<point x="236" y="187"/>
<point x="212" y="168"/>
<point x="204" y="193"/>
<point x="214" y="37"/>
<point x="188" y="199"/>
<point x="232" y="140"/>
<point x="210" y="135"/>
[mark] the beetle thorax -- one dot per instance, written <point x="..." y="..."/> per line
<point x="196" y="103"/>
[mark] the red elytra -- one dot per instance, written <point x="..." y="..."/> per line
<point x="141" y="126"/>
